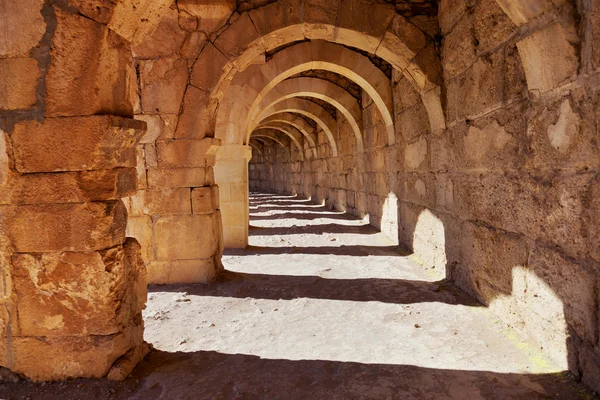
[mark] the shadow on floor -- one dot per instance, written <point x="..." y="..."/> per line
<point x="205" y="375"/>
<point x="357" y="251"/>
<point x="312" y="229"/>
<point x="289" y="287"/>
<point x="213" y="375"/>
<point x="309" y="216"/>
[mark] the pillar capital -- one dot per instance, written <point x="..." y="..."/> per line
<point x="234" y="152"/>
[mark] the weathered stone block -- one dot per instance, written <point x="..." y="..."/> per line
<point x="22" y="26"/>
<point x="192" y="271"/>
<point x="76" y="144"/>
<point x="492" y="26"/>
<point x="196" y="117"/>
<point x="572" y="284"/>
<point x="208" y="68"/>
<point x="166" y="201"/>
<point x="136" y="19"/>
<point x="166" y="39"/>
<point x="187" y="153"/>
<point x="68" y="227"/>
<point x="205" y="200"/>
<point x="178" y="177"/>
<point x="549" y="59"/>
<point x="459" y="50"/>
<point x="18" y="83"/>
<point x="163" y="85"/>
<point x="80" y="293"/>
<point x="87" y="58"/>
<point x="58" y="358"/>
<point x="186" y="237"/>
<point x="75" y="187"/>
<point x="140" y="228"/>
<point x="212" y="15"/>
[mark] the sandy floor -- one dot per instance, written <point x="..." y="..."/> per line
<point x="322" y="306"/>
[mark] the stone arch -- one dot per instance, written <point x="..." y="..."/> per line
<point x="547" y="54"/>
<point x="323" y="90"/>
<point x="289" y="130"/>
<point x="240" y="104"/>
<point x="270" y="136"/>
<point x="309" y="109"/>
<point x="295" y="131"/>
<point x="295" y="139"/>
<point x="255" y="147"/>
<point x="297" y="122"/>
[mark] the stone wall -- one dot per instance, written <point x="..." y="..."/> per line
<point x="175" y="213"/>
<point x="73" y="285"/>
<point x="504" y="202"/>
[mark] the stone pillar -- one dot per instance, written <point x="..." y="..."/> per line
<point x="73" y="285"/>
<point x="176" y="216"/>
<point x="231" y="175"/>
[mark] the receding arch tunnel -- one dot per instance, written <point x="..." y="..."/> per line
<point x="403" y="193"/>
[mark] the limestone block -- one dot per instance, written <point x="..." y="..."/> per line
<point x="405" y="94"/>
<point x="150" y="155"/>
<point x="98" y="10"/>
<point x="176" y="177"/>
<point x="59" y="358"/>
<point x="136" y="19"/>
<point x="450" y="11"/>
<point x="548" y="58"/>
<point x="365" y="24"/>
<point x="155" y="126"/>
<point x="492" y="26"/>
<point x="193" y="45"/>
<point x="187" y="153"/>
<point x="76" y="144"/>
<point x="415" y="154"/>
<point x="548" y="208"/>
<point x="166" y="201"/>
<point x="401" y="43"/>
<point x="90" y="69"/>
<point x="158" y="272"/>
<point x="76" y="187"/>
<point x="163" y="84"/>
<point x="68" y="227"/>
<point x="209" y="66"/>
<point x="170" y="122"/>
<point x="140" y="228"/>
<point x="79" y="293"/>
<point x="205" y="200"/>
<point x="278" y="23"/>
<point x="18" y="83"/>
<point x="233" y="213"/>
<point x="491" y="265"/>
<point x="480" y="89"/>
<point x="522" y="11"/>
<point x="22" y="27"/>
<point x="192" y="271"/>
<point x="240" y="38"/>
<point x="563" y="281"/>
<point x="186" y="237"/>
<point x="166" y="40"/>
<point x="197" y="115"/>
<point x="413" y="122"/>
<point x="212" y="14"/>
<point x="458" y="50"/>
<point x="478" y="142"/>
<point x="140" y="167"/>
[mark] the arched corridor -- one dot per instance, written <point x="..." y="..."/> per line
<point x="449" y="150"/>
